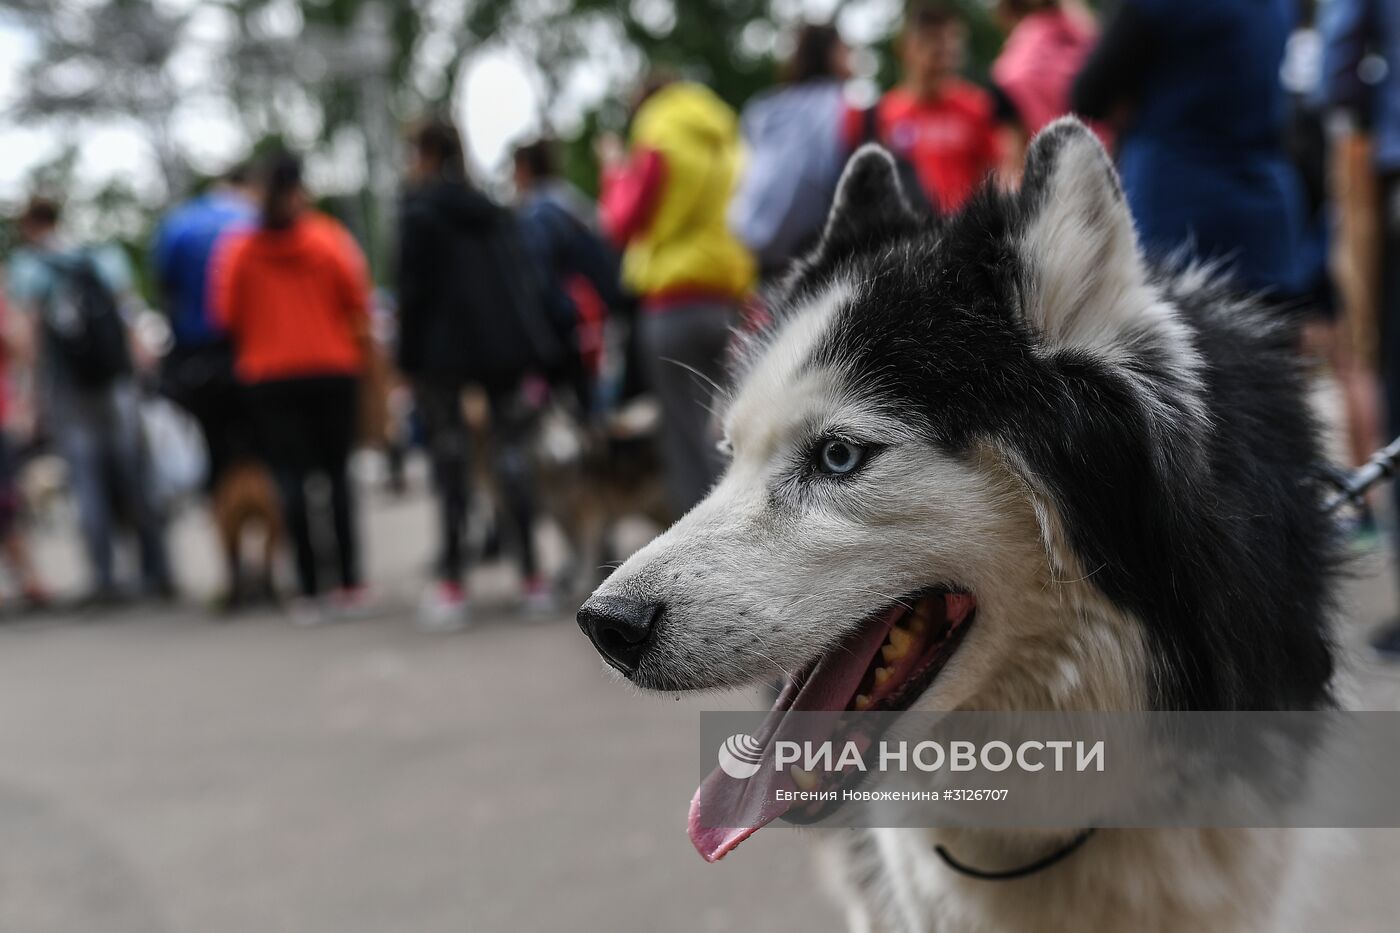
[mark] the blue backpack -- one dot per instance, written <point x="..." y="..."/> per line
<point x="793" y="162"/>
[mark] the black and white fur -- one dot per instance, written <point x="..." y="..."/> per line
<point x="1117" y="461"/>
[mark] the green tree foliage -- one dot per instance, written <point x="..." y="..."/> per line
<point x="324" y="82"/>
<point x="726" y="44"/>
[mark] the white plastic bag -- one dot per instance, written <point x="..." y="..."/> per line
<point x="175" y="451"/>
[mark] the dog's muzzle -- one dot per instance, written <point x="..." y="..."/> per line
<point x="619" y="628"/>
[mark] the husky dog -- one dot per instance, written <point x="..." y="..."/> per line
<point x="1099" y="478"/>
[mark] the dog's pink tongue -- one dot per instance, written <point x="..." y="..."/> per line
<point x="751" y="803"/>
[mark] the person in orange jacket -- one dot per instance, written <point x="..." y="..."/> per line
<point x="293" y="294"/>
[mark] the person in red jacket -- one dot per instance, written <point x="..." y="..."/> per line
<point x="293" y="295"/>
<point x="14" y="542"/>
<point x="942" y="126"/>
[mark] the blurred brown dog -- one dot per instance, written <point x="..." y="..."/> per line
<point x="245" y="500"/>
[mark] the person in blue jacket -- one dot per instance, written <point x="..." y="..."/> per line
<point x="795" y="152"/>
<point x="183" y="247"/>
<point x="560" y="229"/>
<point x="197" y="372"/>
<point x="1194" y="88"/>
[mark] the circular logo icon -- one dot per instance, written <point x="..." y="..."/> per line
<point x="739" y="756"/>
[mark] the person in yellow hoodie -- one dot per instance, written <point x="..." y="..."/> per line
<point x="664" y="202"/>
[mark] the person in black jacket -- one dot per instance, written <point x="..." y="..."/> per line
<point x="581" y="273"/>
<point x="470" y="312"/>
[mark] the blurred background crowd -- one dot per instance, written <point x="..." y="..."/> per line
<point x="547" y="328"/>
<point x="418" y="310"/>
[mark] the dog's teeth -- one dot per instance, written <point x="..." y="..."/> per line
<point x="917" y="624"/>
<point x="882" y="676"/>
<point x="900" y="641"/>
<point x="863" y="701"/>
<point x="805" y="780"/>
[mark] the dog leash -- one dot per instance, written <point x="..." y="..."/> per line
<point x="1060" y="854"/>
<point x="1352" y="486"/>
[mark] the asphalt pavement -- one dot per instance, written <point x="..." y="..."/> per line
<point x="165" y="770"/>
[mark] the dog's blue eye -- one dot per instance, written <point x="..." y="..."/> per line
<point x="839" y="457"/>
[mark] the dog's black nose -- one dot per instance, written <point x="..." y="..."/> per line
<point x="619" y="628"/>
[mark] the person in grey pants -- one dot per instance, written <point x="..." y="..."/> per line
<point x="684" y="349"/>
<point x="99" y="435"/>
<point x="665" y="199"/>
<point x="97" y="429"/>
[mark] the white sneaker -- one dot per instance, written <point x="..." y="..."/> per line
<point x="351" y="603"/>
<point x="308" y="611"/>
<point x="443" y="608"/>
<point x="538" y="597"/>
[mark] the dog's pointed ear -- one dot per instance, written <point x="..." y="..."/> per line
<point x="870" y="205"/>
<point x="1079" y="247"/>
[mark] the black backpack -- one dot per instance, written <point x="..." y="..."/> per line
<point x="83" y="324"/>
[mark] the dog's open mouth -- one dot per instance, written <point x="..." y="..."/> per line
<point x="885" y="666"/>
<point x="920" y="638"/>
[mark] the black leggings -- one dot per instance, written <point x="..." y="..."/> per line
<point x="307" y="427"/>
<point x="449" y="446"/>
<point x="201" y="380"/>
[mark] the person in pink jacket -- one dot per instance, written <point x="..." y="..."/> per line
<point x="1046" y="44"/>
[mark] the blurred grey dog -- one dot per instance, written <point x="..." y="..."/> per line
<point x="1002" y="462"/>
<point x="591" y="479"/>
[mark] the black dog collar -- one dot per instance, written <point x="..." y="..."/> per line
<point x="1041" y="864"/>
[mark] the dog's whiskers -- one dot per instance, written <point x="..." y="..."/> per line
<point x="1066" y="582"/>
<point x="787" y="675"/>
<point x="720" y="391"/>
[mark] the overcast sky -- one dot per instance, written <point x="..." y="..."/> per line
<point x="497" y="105"/>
